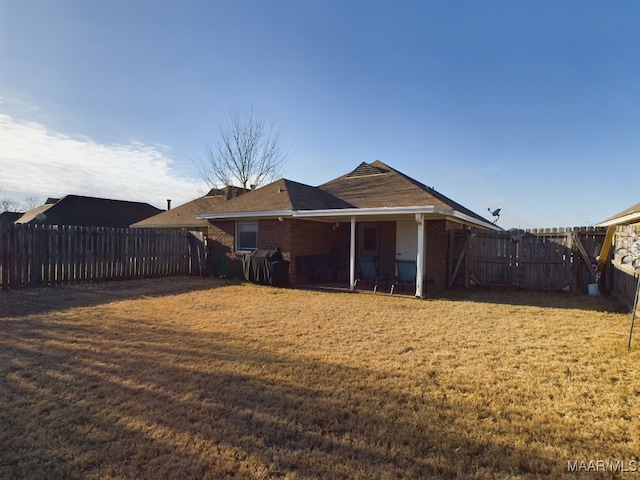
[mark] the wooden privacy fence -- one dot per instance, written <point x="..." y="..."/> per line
<point x="544" y="259"/>
<point x="34" y="255"/>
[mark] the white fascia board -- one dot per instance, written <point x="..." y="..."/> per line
<point x="425" y="210"/>
<point x="624" y="220"/>
<point x="234" y="215"/>
<point x="475" y="221"/>
<point x="350" y="212"/>
<point x="360" y="212"/>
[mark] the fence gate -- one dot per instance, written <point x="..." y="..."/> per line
<point x="549" y="259"/>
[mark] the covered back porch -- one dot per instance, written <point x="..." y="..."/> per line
<point x="416" y="234"/>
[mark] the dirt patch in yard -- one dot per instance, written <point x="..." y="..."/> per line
<point x="197" y="378"/>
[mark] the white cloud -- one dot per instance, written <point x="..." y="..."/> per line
<point x="44" y="163"/>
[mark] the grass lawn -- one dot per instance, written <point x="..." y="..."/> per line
<point x="195" y="378"/>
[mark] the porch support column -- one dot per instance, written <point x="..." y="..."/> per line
<point x="352" y="255"/>
<point x="420" y="255"/>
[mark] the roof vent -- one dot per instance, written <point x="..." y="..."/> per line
<point x="365" y="170"/>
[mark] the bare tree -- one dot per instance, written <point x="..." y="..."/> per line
<point x="248" y="151"/>
<point x="31" y="202"/>
<point x="10" y="205"/>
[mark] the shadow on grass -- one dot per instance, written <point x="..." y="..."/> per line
<point x="110" y="404"/>
<point x="564" y="300"/>
<point x="32" y="301"/>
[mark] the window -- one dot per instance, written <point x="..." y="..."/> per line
<point x="368" y="239"/>
<point x="246" y="236"/>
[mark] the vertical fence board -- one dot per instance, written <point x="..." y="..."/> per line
<point x="32" y="255"/>
<point x="544" y="259"/>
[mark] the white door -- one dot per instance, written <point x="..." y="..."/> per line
<point x="406" y="240"/>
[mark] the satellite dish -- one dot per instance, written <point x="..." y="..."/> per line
<point x="495" y="213"/>
<point x="41" y="217"/>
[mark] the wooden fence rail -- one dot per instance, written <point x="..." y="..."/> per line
<point x="34" y="255"/>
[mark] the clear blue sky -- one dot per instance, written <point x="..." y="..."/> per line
<point x="530" y="106"/>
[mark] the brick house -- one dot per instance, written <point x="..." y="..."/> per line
<point x="372" y="211"/>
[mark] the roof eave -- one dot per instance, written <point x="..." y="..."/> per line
<point x="623" y="220"/>
<point x="373" y="211"/>
<point x="241" y="215"/>
<point x="352" y="212"/>
<point x="474" y="221"/>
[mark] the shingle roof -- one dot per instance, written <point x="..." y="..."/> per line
<point x="378" y="185"/>
<point x="280" y="195"/>
<point x="91" y="212"/>
<point x="374" y="185"/>
<point x="184" y="216"/>
<point x="9" y="217"/>
<point x="30" y="215"/>
<point x="381" y="187"/>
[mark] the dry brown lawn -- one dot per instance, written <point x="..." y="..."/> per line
<point x="194" y="378"/>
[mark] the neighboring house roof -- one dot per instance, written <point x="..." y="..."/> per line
<point x="31" y="215"/>
<point x="375" y="190"/>
<point x="9" y="217"/>
<point x="184" y="216"/>
<point x="626" y="217"/>
<point x="90" y="212"/>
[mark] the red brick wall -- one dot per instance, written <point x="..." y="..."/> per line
<point x="309" y="238"/>
<point x="273" y="234"/>
<point x="294" y="237"/>
<point x="221" y="243"/>
<point x="437" y="250"/>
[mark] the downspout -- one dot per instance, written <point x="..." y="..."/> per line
<point x="352" y="255"/>
<point x="420" y="255"/>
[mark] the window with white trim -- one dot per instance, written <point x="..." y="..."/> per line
<point x="246" y="236"/>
